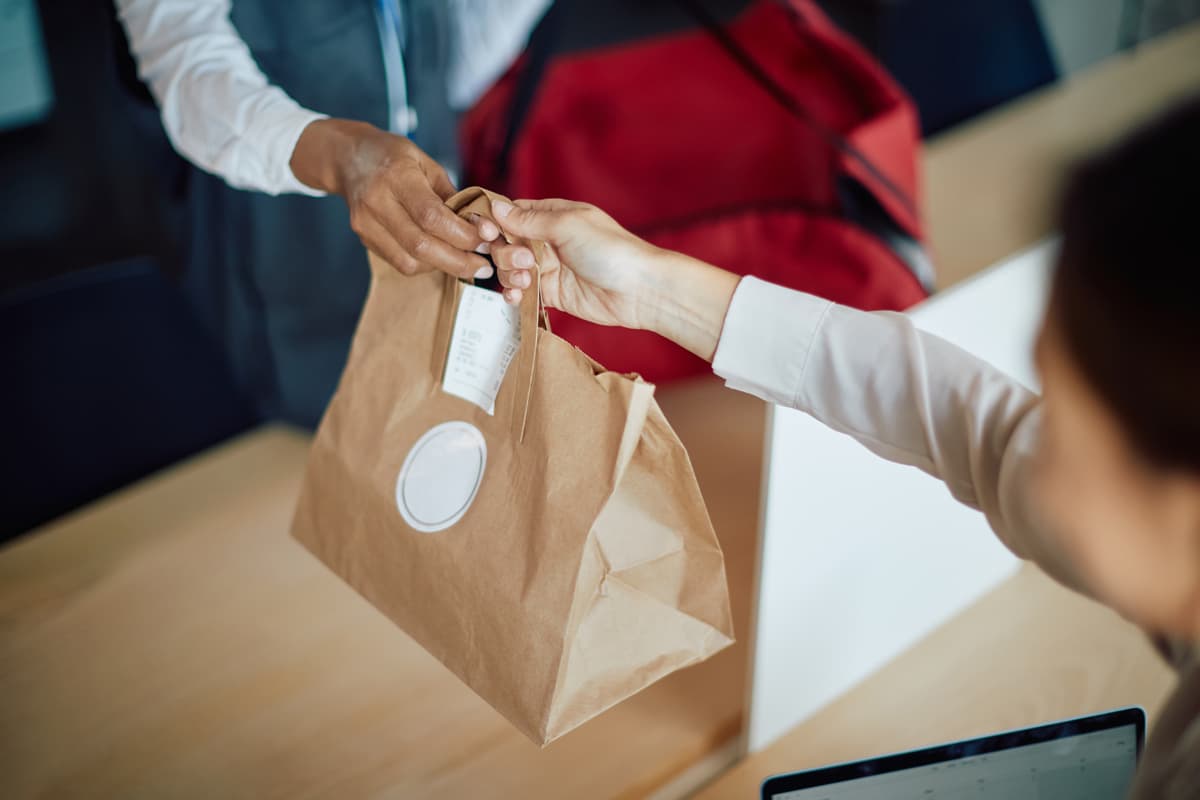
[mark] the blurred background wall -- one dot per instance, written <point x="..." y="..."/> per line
<point x="87" y="172"/>
<point x="1082" y="32"/>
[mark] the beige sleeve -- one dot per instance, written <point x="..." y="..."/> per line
<point x="905" y="394"/>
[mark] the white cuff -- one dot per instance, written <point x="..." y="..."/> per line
<point x="277" y="132"/>
<point x="768" y="333"/>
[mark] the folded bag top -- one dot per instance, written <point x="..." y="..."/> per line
<point x="538" y="529"/>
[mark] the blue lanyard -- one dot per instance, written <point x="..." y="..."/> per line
<point x="394" y="17"/>
<point x="392" y="35"/>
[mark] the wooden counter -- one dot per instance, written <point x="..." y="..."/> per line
<point x="1028" y="652"/>
<point x="172" y="640"/>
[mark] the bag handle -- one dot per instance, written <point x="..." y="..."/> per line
<point x="516" y="389"/>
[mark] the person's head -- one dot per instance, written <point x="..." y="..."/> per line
<point x="1119" y="355"/>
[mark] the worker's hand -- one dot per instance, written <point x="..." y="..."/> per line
<point x="592" y="268"/>
<point x="396" y="196"/>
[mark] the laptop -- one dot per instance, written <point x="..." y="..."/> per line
<point x="1088" y="758"/>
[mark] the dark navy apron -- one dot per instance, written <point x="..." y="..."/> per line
<point x="281" y="280"/>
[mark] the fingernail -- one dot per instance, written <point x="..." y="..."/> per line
<point x="483" y="272"/>
<point x="521" y="279"/>
<point x="484" y="248"/>
<point x="501" y="209"/>
<point x="489" y="231"/>
<point x="523" y="258"/>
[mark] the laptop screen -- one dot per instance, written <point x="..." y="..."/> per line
<point x="1086" y="759"/>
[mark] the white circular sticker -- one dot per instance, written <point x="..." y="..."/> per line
<point x="441" y="476"/>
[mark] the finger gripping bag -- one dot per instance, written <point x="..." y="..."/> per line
<point x="552" y="550"/>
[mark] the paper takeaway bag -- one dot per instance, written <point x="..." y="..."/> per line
<point x="555" y="554"/>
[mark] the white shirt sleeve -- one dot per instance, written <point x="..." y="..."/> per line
<point x="218" y="108"/>
<point x="907" y="395"/>
<point x="488" y="36"/>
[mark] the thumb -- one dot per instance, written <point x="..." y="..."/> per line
<point x="531" y="219"/>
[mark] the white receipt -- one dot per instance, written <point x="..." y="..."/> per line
<point x="487" y="333"/>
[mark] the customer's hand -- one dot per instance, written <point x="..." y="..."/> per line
<point x="594" y="269"/>
<point x="396" y="196"/>
<point x="609" y="267"/>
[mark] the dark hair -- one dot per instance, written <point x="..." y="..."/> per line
<point x="1126" y="296"/>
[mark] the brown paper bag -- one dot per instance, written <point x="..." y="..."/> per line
<point x="555" y="555"/>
